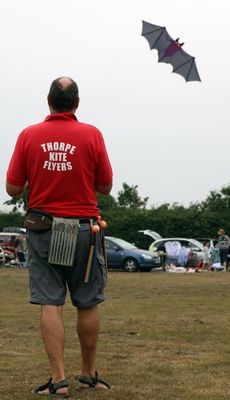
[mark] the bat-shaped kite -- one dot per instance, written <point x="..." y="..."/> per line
<point x="170" y="51"/>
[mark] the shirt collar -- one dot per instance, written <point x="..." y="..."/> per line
<point x="61" y="116"/>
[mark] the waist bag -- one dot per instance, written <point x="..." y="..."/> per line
<point x="38" y="221"/>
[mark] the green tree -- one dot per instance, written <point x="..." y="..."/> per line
<point x="106" y="203"/>
<point x="216" y="210"/>
<point x="18" y="202"/>
<point x="128" y="197"/>
<point x="11" y="219"/>
<point x="129" y="214"/>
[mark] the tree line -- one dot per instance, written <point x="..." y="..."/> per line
<point x="127" y="214"/>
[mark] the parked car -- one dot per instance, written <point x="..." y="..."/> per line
<point x="8" y="242"/>
<point x="127" y="257"/>
<point x="158" y="245"/>
<point x="196" y="253"/>
<point x="2" y="257"/>
<point x="212" y="242"/>
<point x="152" y="234"/>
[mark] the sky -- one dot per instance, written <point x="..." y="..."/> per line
<point x="168" y="137"/>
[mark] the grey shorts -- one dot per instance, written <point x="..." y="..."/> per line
<point x="49" y="283"/>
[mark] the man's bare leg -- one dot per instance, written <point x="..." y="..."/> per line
<point x="88" y="325"/>
<point x="53" y="335"/>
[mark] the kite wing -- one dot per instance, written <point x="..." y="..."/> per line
<point x="170" y="51"/>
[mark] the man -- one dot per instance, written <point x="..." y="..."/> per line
<point x="21" y="250"/>
<point x="63" y="164"/>
<point x="223" y="245"/>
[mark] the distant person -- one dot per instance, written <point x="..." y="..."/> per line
<point x="20" y="250"/>
<point x="228" y="259"/>
<point x="64" y="163"/>
<point x="223" y="245"/>
<point x="207" y="257"/>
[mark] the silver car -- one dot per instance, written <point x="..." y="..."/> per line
<point x="194" y="247"/>
<point x="2" y="257"/>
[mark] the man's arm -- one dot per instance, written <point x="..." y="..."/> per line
<point x="104" y="189"/>
<point x="15" y="190"/>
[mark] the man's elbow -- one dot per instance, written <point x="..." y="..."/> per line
<point x="14" y="190"/>
<point x="104" y="189"/>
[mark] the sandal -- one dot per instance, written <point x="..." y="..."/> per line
<point x="91" y="382"/>
<point x="53" y="387"/>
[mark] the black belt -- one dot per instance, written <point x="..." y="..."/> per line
<point x="82" y="220"/>
<point x="86" y="220"/>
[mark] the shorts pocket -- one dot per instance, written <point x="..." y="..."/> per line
<point x="102" y="272"/>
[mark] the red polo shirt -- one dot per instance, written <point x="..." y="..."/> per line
<point x="62" y="160"/>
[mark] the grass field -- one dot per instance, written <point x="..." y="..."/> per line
<point x="163" y="336"/>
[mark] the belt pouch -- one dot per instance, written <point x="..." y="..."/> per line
<point x="63" y="241"/>
<point x="37" y="221"/>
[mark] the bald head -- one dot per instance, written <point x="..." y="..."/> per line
<point x="65" y="81"/>
<point x="63" y="95"/>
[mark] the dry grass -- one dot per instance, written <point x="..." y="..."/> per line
<point x="163" y="337"/>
